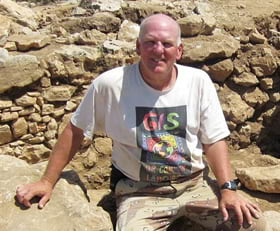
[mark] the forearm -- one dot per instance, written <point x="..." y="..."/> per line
<point x="218" y="159"/>
<point x="67" y="145"/>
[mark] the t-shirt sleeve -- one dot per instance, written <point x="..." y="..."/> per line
<point x="213" y="126"/>
<point x="84" y="116"/>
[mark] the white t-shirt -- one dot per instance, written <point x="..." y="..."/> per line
<point x="157" y="135"/>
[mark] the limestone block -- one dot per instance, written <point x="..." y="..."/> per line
<point x="30" y="41"/>
<point x="26" y="111"/>
<point x="263" y="66"/>
<point x="35" y="117"/>
<point x="235" y="109"/>
<point x="203" y="48"/>
<point x="51" y="134"/>
<point x="5" y="134"/>
<point x="91" y="158"/>
<point x="35" y="153"/>
<point x="255" y="97"/>
<point x="128" y="31"/>
<point x="135" y="11"/>
<point x="22" y="15"/>
<point x="191" y="25"/>
<point x="47" y="109"/>
<point x="19" y="127"/>
<point x="36" y="140"/>
<point x="246" y="79"/>
<point x="70" y="106"/>
<point x="52" y="125"/>
<point x="265" y="179"/>
<point x="70" y="207"/>
<point x="9" y="116"/>
<point x="90" y="37"/>
<point x="5" y="102"/>
<point x="33" y="128"/>
<point x="21" y="69"/>
<point x="25" y="100"/>
<point x="220" y="71"/>
<point x="105" y="22"/>
<point x="58" y="93"/>
<point x="103" y="145"/>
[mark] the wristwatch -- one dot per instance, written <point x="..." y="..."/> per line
<point x="231" y="185"/>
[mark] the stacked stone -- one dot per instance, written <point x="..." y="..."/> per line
<point x="63" y="56"/>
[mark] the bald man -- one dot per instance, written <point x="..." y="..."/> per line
<point x="162" y="117"/>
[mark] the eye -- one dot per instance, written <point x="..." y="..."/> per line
<point x="149" y="43"/>
<point x="167" y="44"/>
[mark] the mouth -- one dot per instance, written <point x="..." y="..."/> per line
<point x="158" y="60"/>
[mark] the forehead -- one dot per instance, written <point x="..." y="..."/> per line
<point x="160" y="30"/>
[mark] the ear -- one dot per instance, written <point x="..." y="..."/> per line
<point x="138" y="46"/>
<point x="180" y="50"/>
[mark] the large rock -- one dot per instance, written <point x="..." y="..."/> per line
<point x="265" y="179"/>
<point x="75" y="63"/>
<point x="30" y="41"/>
<point x="128" y="31"/>
<point x="59" y="93"/>
<point x="135" y="11"/>
<point x="203" y="48"/>
<point x="264" y="65"/>
<point x="220" y="71"/>
<point x="22" y="15"/>
<point x="69" y="209"/>
<point x="235" y="109"/>
<point x="195" y="24"/>
<point x="19" y="71"/>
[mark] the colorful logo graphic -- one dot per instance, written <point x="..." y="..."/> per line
<point x="161" y="136"/>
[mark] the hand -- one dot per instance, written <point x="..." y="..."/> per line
<point x="42" y="188"/>
<point x="241" y="207"/>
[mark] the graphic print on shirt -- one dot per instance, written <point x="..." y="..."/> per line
<point x="161" y="134"/>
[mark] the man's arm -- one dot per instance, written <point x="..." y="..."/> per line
<point x="218" y="159"/>
<point x="67" y="145"/>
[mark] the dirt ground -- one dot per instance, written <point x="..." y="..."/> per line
<point x="241" y="13"/>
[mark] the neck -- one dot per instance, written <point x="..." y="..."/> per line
<point x="162" y="81"/>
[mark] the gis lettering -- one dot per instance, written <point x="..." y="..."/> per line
<point x="153" y="121"/>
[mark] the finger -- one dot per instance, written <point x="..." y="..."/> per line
<point x="20" y="195"/>
<point x="256" y="207"/>
<point x="239" y="214"/>
<point x="27" y="197"/>
<point x="26" y="202"/>
<point x="247" y="213"/>
<point x="254" y="211"/>
<point x="43" y="201"/>
<point x="224" y="213"/>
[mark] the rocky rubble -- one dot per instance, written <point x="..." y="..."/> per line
<point x="71" y="207"/>
<point x="50" y="54"/>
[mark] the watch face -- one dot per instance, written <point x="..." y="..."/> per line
<point x="229" y="185"/>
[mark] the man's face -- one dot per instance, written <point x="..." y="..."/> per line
<point x="158" y="48"/>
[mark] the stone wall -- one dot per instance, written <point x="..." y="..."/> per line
<point x="49" y="56"/>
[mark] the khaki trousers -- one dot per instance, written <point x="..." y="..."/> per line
<point x="146" y="206"/>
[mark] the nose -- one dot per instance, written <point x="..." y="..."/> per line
<point x="158" y="47"/>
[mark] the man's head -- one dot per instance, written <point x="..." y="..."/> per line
<point x="157" y="17"/>
<point x="159" y="45"/>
